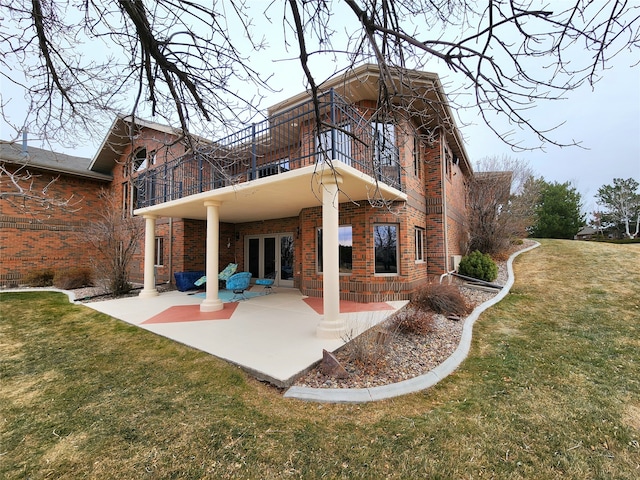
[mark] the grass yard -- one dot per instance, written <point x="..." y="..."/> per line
<point x="551" y="389"/>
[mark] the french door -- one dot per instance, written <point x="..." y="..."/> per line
<point x="266" y="254"/>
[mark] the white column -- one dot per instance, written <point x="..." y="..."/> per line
<point x="212" y="303"/>
<point x="331" y="325"/>
<point x="149" y="289"/>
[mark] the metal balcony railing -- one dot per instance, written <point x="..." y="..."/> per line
<point x="285" y="141"/>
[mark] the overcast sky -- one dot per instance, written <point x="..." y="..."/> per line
<point x="604" y="119"/>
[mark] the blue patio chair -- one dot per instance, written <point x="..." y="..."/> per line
<point x="228" y="271"/>
<point x="238" y="283"/>
<point x="223" y="276"/>
<point x="267" y="281"/>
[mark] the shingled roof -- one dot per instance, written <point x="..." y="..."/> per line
<point x="41" y="159"/>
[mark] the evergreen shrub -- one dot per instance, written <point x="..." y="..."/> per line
<point x="478" y="265"/>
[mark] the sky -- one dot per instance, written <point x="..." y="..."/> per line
<point x="603" y="119"/>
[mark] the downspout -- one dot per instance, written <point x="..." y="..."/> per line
<point x="445" y="223"/>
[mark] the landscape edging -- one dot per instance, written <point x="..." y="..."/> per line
<point x="421" y="382"/>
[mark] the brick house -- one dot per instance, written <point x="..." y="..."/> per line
<point x="367" y="209"/>
<point x="35" y="235"/>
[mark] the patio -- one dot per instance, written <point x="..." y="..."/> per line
<point x="271" y="336"/>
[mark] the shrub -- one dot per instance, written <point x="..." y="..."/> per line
<point x="413" y="320"/>
<point x="73" y="278"/>
<point x="40" y="278"/>
<point x="478" y="265"/>
<point x="440" y="298"/>
<point x="368" y="349"/>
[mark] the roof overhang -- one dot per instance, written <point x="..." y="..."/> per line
<point x="279" y="196"/>
<point x="121" y="134"/>
<point x="49" y="161"/>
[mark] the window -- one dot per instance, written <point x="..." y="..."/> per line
<point x="417" y="158"/>
<point x="159" y="259"/>
<point x="448" y="159"/>
<point x="125" y="199"/>
<point x="341" y="150"/>
<point x="386" y="248"/>
<point x="130" y="196"/>
<point x="139" y="160"/>
<point x="281" y="166"/>
<point x="384" y="140"/>
<point x="345" y="250"/>
<point x="419" y="243"/>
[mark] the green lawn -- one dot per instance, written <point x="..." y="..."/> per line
<point x="551" y="389"/>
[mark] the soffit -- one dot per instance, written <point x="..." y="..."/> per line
<point x="278" y="196"/>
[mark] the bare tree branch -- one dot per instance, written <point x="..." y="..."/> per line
<point x="189" y="64"/>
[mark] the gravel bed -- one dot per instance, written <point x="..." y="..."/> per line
<point x="404" y="356"/>
<point x="98" y="294"/>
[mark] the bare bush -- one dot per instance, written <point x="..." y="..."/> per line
<point x="413" y="320"/>
<point x="73" y="278"/>
<point x="40" y="278"/>
<point x="369" y="349"/>
<point x="440" y="298"/>
<point x="114" y="240"/>
<point x="501" y="198"/>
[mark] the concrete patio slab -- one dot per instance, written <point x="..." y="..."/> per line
<point x="272" y="336"/>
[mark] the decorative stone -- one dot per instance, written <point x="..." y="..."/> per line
<point x="331" y="366"/>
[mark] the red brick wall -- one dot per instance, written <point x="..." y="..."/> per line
<point x="363" y="284"/>
<point x="456" y="210"/>
<point x="433" y="173"/>
<point x="436" y="200"/>
<point x="35" y="237"/>
<point x="165" y="148"/>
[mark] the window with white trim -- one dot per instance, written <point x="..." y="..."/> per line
<point x="385" y="238"/>
<point x="345" y="250"/>
<point x="140" y="161"/>
<point x="417" y="158"/>
<point x="384" y="141"/>
<point x="419" y="244"/>
<point x="159" y="254"/>
<point x="340" y="150"/>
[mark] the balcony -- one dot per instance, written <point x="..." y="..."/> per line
<point x="285" y="141"/>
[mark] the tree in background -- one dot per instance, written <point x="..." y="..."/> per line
<point x="558" y="211"/>
<point x="500" y="200"/>
<point x="621" y="203"/>
<point x="114" y="239"/>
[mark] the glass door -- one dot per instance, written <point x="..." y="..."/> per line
<point x="266" y="254"/>
<point x="286" y="260"/>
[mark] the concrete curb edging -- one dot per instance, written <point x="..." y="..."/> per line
<point x="422" y="382"/>
<point x="71" y="295"/>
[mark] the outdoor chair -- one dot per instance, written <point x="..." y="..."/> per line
<point x="267" y="281"/>
<point x="223" y="276"/>
<point x="238" y="283"/>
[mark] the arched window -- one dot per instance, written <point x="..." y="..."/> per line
<point x="139" y="160"/>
